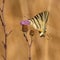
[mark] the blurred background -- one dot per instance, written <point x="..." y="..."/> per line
<point x="47" y="48"/>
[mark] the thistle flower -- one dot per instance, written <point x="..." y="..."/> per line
<point x="25" y="24"/>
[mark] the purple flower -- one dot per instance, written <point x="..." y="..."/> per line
<point x="25" y="22"/>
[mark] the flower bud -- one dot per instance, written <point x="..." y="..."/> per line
<point x="31" y="32"/>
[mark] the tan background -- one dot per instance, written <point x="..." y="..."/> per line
<point x="47" y="48"/>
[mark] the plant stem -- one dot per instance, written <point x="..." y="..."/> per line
<point x="29" y="46"/>
<point x="4" y="29"/>
<point x="29" y="52"/>
<point x="24" y="33"/>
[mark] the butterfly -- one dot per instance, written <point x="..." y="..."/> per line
<point x="39" y="21"/>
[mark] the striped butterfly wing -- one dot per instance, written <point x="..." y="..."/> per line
<point x="39" y="22"/>
<point x="44" y="18"/>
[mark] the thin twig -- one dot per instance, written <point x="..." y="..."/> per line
<point x="9" y="33"/>
<point x="30" y="48"/>
<point x="3" y="24"/>
<point x="25" y="36"/>
<point x="29" y="45"/>
<point x="4" y="29"/>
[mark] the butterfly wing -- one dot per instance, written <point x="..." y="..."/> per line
<point x="43" y="22"/>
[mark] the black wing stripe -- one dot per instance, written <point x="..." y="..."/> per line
<point x="35" y="22"/>
<point x="46" y="15"/>
<point x="37" y="17"/>
<point x="41" y="15"/>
